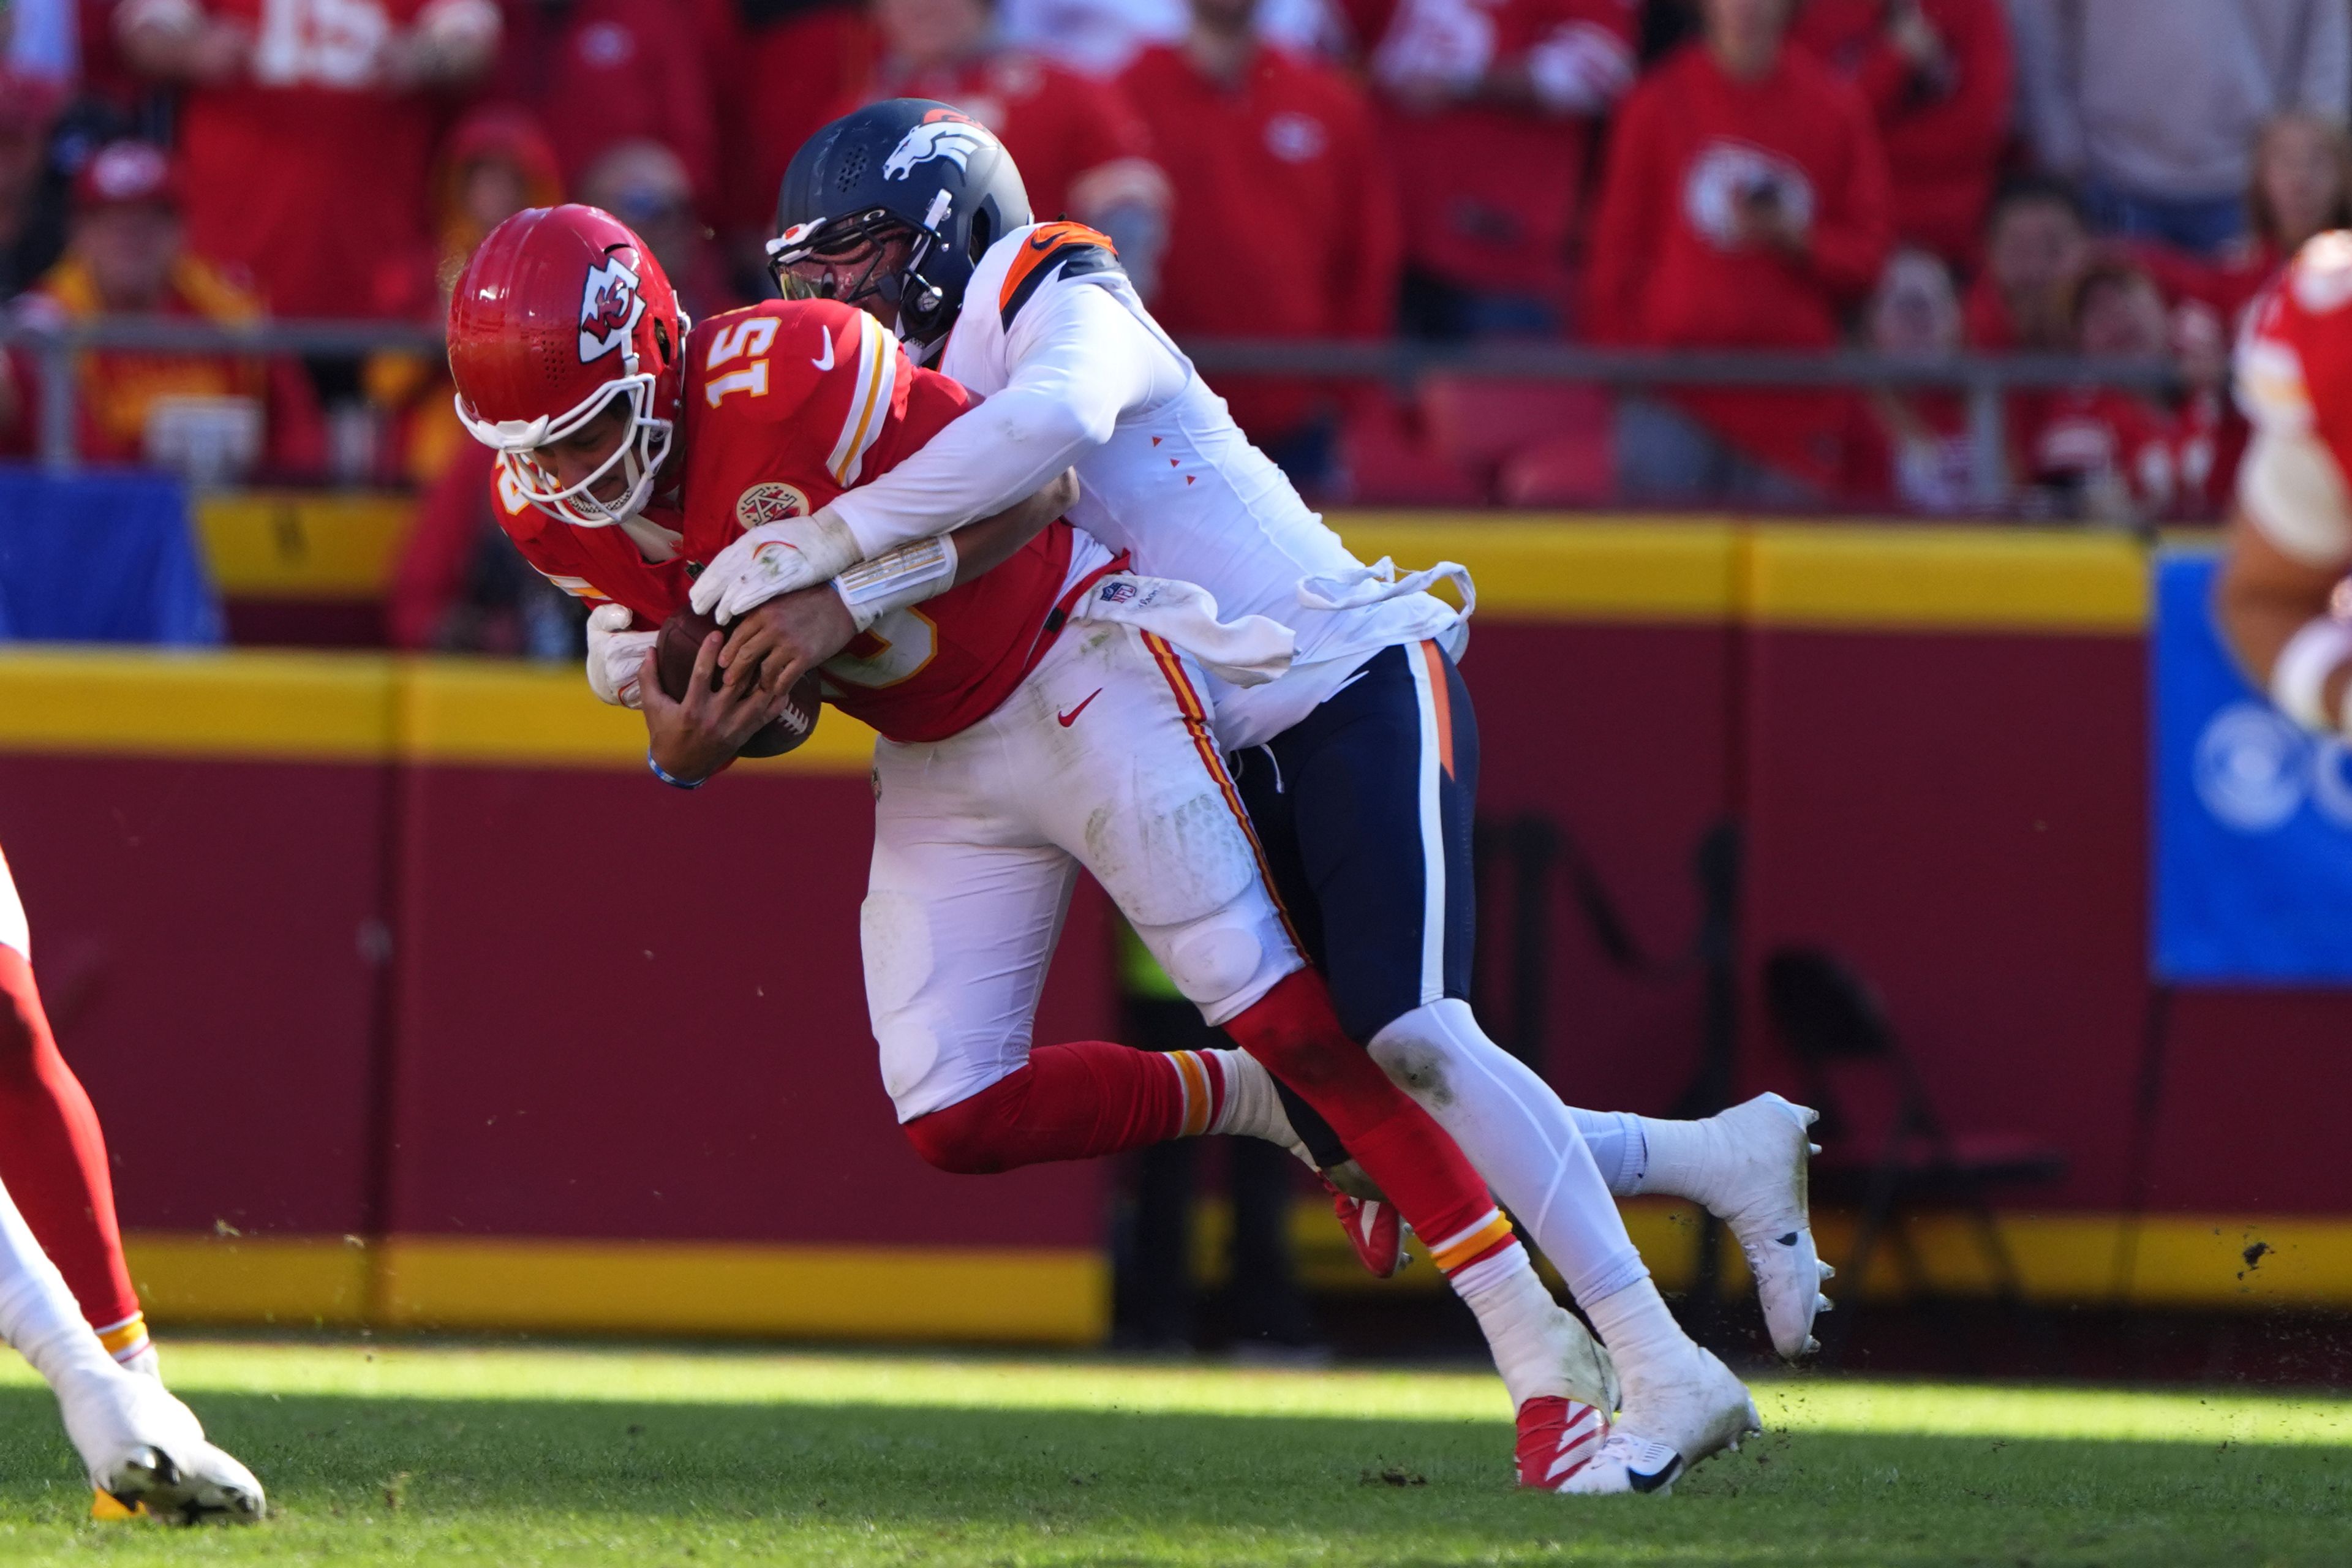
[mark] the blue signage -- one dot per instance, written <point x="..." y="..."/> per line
<point x="2254" y="814"/>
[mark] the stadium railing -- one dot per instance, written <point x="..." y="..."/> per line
<point x="1985" y="380"/>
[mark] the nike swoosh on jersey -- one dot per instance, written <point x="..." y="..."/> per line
<point x="824" y="360"/>
<point x="1067" y="720"/>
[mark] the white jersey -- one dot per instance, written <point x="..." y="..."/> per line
<point x="1075" y="372"/>
<point x="14" y="931"/>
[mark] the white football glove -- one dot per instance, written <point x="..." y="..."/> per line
<point x="775" y="558"/>
<point x="617" y="656"/>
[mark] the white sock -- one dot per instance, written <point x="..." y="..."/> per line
<point x="1635" y="1325"/>
<point x="1529" y="1333"/>
<point x="38" y="1315"/>
<point x="1618" y="1147"/>
<point x="1680" y="1155"/>
<point x="1522" y="1140"/>
<point x="1252" y="1107"/>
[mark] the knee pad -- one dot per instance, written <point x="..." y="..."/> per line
<point x="1225" y="960"/>
<point x="1421" y="1050"/>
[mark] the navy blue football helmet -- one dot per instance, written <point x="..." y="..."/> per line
<point x="906" y="168"/>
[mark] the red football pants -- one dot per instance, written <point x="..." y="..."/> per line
<point x="53" y="1156"/>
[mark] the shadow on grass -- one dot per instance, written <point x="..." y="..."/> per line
<point x="644" y="1482"/>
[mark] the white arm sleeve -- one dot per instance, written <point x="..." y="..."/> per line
<point x="1079" y="359"/>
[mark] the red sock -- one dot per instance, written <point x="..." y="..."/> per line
<point x="1293" y="1030"/>
<point x="53" y="1160"/>
<point x="1074" y="1102"/>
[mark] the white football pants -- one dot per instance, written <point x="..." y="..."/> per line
<point x="1102" y="757"/>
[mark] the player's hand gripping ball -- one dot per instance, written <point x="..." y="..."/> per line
<point x="674" y="654"/>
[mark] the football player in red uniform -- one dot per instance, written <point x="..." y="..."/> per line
<point x="2283" y="602"/>
<point x="1041" y="716"/>
<point x="143" y="1449"/>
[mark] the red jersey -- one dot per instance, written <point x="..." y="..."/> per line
<point x="310" y="171"/>
<point x="1943" y="127"/>
<point x="1079" y="146"/>
<point x="1498" y="190"/>
<point x="1284" y="163"/>
<point x="2294" y="362"/>
<point x="601" y="565"/>
<point x="1667" y="270"/>
<point x="786" y="405"/>
<point x="2110" y="443"/>
<point x="602" y="72"/>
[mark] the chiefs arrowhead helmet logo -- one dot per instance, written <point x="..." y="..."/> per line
<point x="942" y="134"/>
<point x="610" y="306"/>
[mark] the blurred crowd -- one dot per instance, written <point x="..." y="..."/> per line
<point x="1913" y="176"/>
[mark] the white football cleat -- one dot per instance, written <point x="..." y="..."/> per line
<point x="1754" y="1181"/>
<point x="146" y="1452"/>
<point x="1673" y="1418"/>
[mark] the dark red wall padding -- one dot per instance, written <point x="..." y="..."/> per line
<point x="1960" y="815"/>
<point x="1619" y="735"/>
<point x="1964" y="818"/>
<point x="624" y="1011"/>
<point x="207" y="936"/>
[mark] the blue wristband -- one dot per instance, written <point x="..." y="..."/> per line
<point x="674" y="782"/>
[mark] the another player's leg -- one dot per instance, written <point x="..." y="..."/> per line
<point x="145" y="1450"/>
<point x="1147" y="804"/>
<point x="1747" y="1166"/>
<point x="1371" y="813"/>
<point x="53" y="1156"/>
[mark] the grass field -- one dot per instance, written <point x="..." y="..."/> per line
<point x="427" y="1453"/>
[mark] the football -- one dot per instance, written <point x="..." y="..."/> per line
<point x="674" y="654"/>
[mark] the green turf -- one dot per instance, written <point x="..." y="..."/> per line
<point x="411" y="1453"/>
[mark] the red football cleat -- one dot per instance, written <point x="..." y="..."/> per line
<point x="1374" y="1229"/>
<point x="1557" y="1438"/>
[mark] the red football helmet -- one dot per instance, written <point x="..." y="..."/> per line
<point x="560" y="311"/>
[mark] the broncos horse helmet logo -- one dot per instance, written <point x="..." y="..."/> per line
<point x="610" y="306"/>
<point x="941" y="137"/>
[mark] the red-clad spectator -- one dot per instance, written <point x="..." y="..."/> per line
<point x="1912" y="451"/>
<point x="2302" y="185"/>
<point x="31" y="227"/>
<point x="494" y="163"/>
<point x="643" y="184"/>
<point x="1082" y="150"/>
<point x="2103" y="453"/>
<point x="1489" y="108"/>
<point x="1745" y="205"/>
<point x="597" y="73"/>
<point x="1272" y="158"/>
<point x="782" y="69"/>
<point x="1938" y="76"/>
<point x="128" y="257"/>
<point x="2036" y="248"/>
<point x="308" y="128"/>
<point x="460" y="587"/>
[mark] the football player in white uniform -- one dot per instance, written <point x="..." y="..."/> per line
<point x="145" y="1451"/>
<point x="1358" y="766"/>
